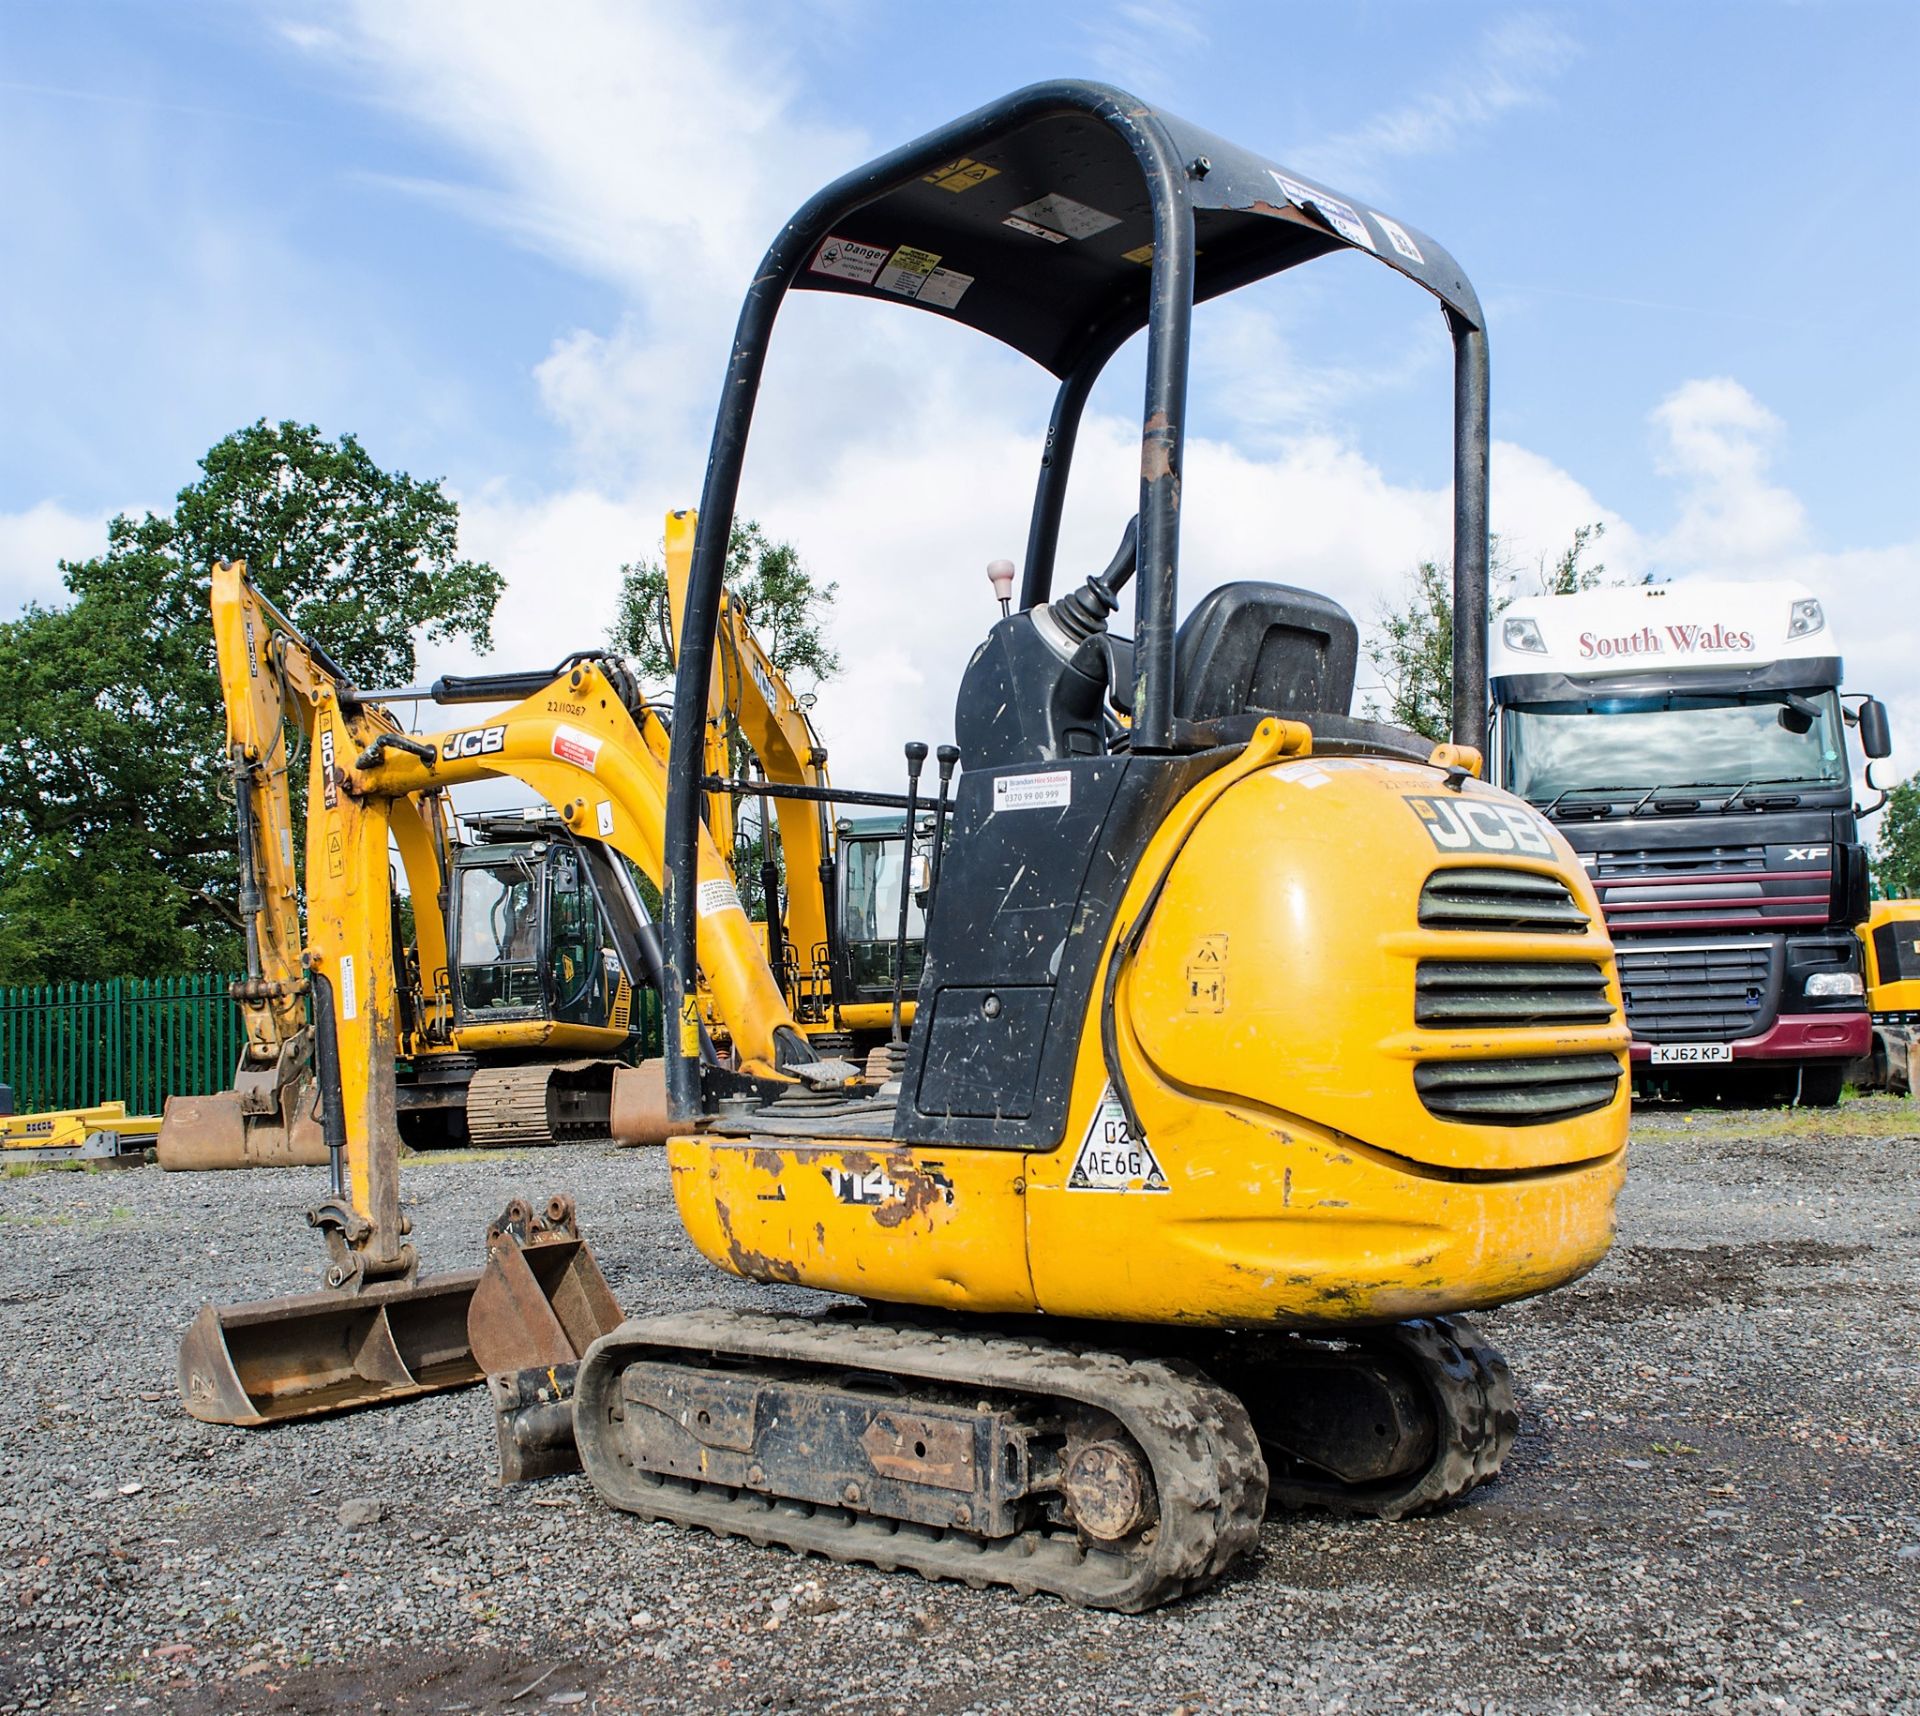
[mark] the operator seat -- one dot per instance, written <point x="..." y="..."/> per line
<point x="1267" y="647"/>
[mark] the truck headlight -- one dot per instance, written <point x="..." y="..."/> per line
<point x="1525" y="634"/>
<point x="1804" y="619"/>
<point x="1834" y="983"/>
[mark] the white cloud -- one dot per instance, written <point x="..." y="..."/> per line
<point x="32" y="545"/>
<point x="1517" y="59"/>
<point x="1735" y="520"/>
<point x="1718" y="440"/>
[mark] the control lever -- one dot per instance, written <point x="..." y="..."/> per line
<point x="916" y="760"/>
<point x="1085" y="611"/>
<point x="1000" y="576"/>
<point x="949" y="756"/>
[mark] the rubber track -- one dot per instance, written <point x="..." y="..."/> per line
<point x="1471" y="1391"/>
<point x="508" y="1105"/>
<point x="1208" y="1469"/>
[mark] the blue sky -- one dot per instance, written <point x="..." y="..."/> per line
<point x="504" y="245"/>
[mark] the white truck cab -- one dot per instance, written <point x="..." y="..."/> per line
<point x="1689" y="740"/>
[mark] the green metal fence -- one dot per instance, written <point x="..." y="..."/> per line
<point x="139" y="1040"/>
<point x="132" y="1039"/>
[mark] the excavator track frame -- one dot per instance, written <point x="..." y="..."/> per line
<point x="1209" y="1479"/>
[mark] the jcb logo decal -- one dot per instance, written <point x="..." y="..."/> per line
<point x="1457" y="824"/>
<point x="476" y="742"/>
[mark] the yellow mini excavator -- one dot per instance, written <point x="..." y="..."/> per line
<point x="1254" y="1043"/>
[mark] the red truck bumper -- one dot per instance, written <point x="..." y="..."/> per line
<point x="1801" y="1037"/>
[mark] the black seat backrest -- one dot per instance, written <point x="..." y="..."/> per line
<point x="1265" y="646"/>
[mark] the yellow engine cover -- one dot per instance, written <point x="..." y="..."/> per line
<point x="1348" y="1115"/>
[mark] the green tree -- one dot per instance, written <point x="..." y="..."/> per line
<point x="116" y="817"/>
<point x="787" y="608"/>
<point x="1412" y="649"/>
<point x="1896" y="857"/>
<point x="785" y="604"/>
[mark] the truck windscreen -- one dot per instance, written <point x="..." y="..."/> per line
<point x="1675" y="739"/>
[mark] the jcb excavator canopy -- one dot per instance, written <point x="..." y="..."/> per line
<point x="1037" y="226"/>
<point x="1062" y="219"/>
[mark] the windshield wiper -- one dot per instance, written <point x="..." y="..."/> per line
<point x="1603" y="807"/>
<point x="1652" y="796"/>
<point x="1773" y="801"/>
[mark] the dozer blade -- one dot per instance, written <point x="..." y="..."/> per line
<point x="314" y="1353"/>
<point x="541" y="1302"/>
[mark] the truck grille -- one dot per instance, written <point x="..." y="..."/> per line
<point x="1468" y="992"/>
<point x="1524" y="901"/>
<point x="1709" y="887"/>
<point x="1518" y="1092"/>
<point x="1695" y="994"/>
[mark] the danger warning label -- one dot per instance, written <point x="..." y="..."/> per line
<point x="1111" y="1159"/>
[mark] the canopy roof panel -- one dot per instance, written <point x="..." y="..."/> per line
<point x="1035" y="225"/>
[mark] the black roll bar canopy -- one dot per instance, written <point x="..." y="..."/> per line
<point x="1061" y="220"/>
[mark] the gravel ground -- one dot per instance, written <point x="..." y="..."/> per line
<point x="1714" y="1503"/>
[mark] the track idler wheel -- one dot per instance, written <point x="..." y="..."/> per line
<point x="1387" y="1424"/>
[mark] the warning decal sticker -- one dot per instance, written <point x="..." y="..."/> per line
<point x="1111" y="1159"/>
<point x="603" y="816"/>
<point x="845" y="260"/>
<point x="349" y="989"/>
<point x="907" y="270"/>
<point x="1033" y="231"/>
<point x="571" y="745"/>
<point x="717" y="896"/>
<point x="961" y="175"/>
<point x="944" y="288"/>
<point x="1063" y="215"/>
<point x="1344" y="218"/>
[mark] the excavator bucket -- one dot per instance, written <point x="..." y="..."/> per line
<point x="541" y="1302"/>
<point x="203" y="1132"/>
<point x="314" y="1353"/>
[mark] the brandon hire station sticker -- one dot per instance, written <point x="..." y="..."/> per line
<point x="1111" y="1159"/>
<point x="1046" y="791"/>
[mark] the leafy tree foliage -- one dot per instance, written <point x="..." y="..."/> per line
<point x="1412" y="650"/>
<point x="781" y="598"/>
<point x="116" y="818"/>
<point x="1896" y="858"/>
<point x="787" y="608"/>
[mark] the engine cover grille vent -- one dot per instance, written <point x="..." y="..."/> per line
<point x="1475" y="898"/>
<point x="1516" y="1092"/>
<point x="1467" y="992"/>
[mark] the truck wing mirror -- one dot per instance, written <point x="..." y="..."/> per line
<point x="1876" y="737"/>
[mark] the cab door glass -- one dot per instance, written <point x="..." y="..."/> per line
<point x="499" y="953"/>
<point x="577" y="966"/>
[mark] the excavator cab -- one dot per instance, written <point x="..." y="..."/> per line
<point x="528" y="936"/>
<point x="869" y="865"/>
